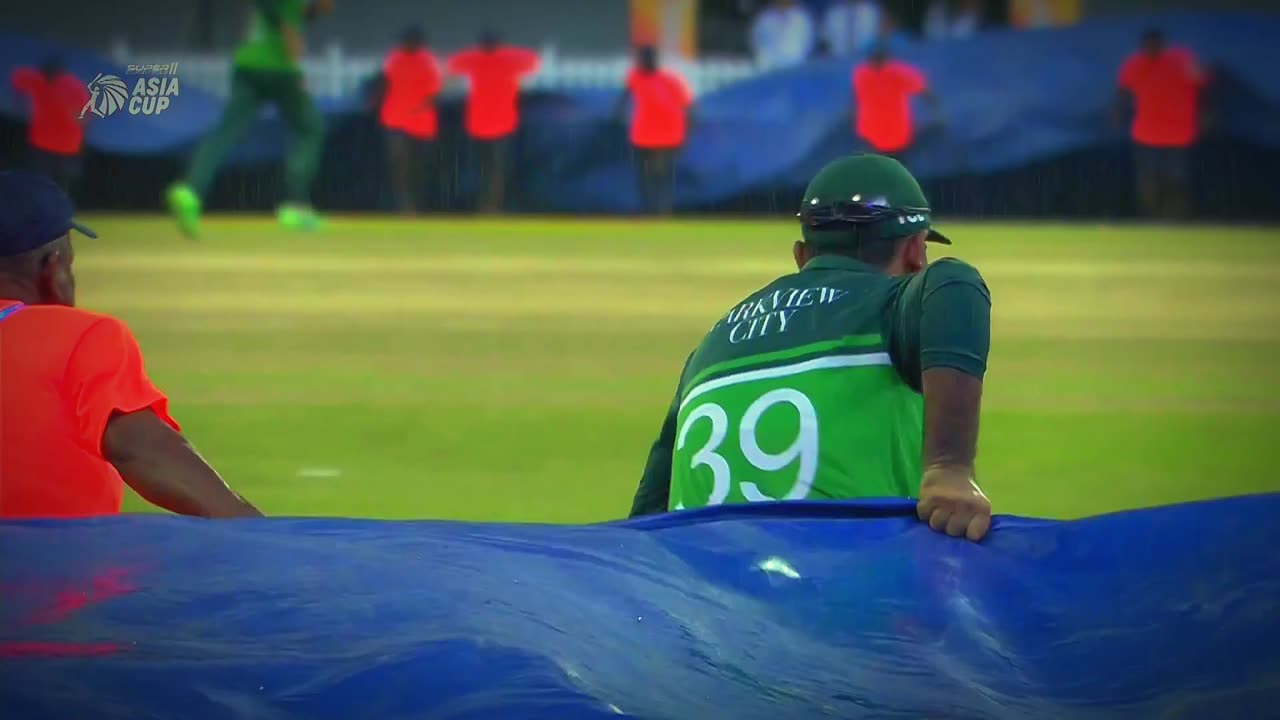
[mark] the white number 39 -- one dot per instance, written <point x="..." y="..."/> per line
<point x="804" y="447"/>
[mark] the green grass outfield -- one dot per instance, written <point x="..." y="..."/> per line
<point x="519" y="369"/>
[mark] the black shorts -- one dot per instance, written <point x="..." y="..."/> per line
<point x="1164" y="165"/>
<point x="493" y="153"/>
<point x="399" y="141"/>
<point x="61" y="168"/>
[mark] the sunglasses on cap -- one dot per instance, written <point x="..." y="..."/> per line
<point x="848" y="212"/>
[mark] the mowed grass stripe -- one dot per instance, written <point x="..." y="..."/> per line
<point x="519" y="370"/>
<point x="1134" y="315"/>
<point x="494" y="265"/>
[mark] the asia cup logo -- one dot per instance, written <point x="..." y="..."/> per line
<point x="107" y="94"/>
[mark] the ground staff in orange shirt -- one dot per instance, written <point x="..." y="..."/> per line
<point x="78" y="415"/>
<point x="54" y="132"/>
<point x="492" y="114"/>
<point x="1166" y="86"/>
<point x="411" y="80"/>
<point x="882" y="92"/>
<point x="659" y="123"/>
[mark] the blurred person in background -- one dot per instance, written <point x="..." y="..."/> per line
<point x="952" y="19"/>
<point x="851" y="27"/>
<point x="878" y="355"/>
<point x="782" y="34"/>
<point x="1164" y="84"/>
<point x="78" y="414"/>
<point x="266" y="68"/>
<point x="411" y="79"/>
<point x="659" y="123"/>
<point x="492" y="114"/>
<point x="882" y="92"/>
<point x="55" y="135"/>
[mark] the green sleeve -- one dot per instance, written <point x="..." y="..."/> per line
<point x="940" y="317"/>
<point x="654" y="493"/>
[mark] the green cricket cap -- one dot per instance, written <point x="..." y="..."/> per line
<point x="862" y="197"/>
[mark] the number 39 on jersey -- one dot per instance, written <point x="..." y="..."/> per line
<point x="838" y="427"/>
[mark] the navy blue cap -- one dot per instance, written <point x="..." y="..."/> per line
<point x="34" y="212"/>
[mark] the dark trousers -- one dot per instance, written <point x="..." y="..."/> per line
<point x="1164" y="181"/>
<point x="412" y="166"/>
<point x="656" y="179"/>
<point x="493" y="173"/>
<point x="250" y="90"/>
<point x="62" y="168"/>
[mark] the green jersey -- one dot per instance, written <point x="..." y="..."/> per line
<point x="264" y="49"/>
<point x="810" y="387"/>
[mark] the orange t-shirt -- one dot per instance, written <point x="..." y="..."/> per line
<point x="661" y="99"/>
<point x="883" y="97"/>
<point x="413" y="80"/>
<point x="491" y="110"/>
<point x="63" y="373"/>
<point x="55" y="110"/>
<point x="1166" y="90"/>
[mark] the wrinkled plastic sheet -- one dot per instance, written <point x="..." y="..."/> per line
<point x="778" y="611"/>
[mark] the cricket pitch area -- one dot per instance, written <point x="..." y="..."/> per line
<point x="518" y="369"/>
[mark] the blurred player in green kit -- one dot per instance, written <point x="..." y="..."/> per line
<point x="265" y="69"/>
<point x="858" y="376"/>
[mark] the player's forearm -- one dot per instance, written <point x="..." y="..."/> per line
<point x="952" y="405"/>
<point x="955" y="338"/>
<point x="181" y="482"/>
<point x="163" y="468"/>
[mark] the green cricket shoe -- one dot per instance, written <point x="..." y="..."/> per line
<point x="299" y="217"/>
<point x="184" y="205"/>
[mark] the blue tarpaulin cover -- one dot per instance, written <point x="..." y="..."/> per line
<point x="1008" y="98"/>
<point x="779" y="611"/>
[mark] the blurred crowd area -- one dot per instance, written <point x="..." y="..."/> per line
<point x="788" y="32"/>
<point x="581" y="44"/>
<point x="659" y="105"/>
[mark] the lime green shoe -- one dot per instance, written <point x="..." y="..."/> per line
<point x="184" y="204"/>
<point x="299" y="217"/>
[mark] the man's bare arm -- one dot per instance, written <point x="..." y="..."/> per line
<point x="950" y="499"/>
<point x="952" y="402"/>
<point x="954" y="341"/>
<point x="161" y="466"/>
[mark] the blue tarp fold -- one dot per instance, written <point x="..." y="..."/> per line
<point x="803" y="610"/>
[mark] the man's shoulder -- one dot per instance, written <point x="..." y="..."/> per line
<point x="938" y="273"/>
<point x="70" y="322"/>
<point x="952" y="269"/>
<point x="1130" y="65"/>
<point x="65" y="331"/>
<point x="671" y="77"/>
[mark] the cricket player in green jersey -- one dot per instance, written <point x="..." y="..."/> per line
<point x="858" y="376"/>
<point x="265" y="69"/>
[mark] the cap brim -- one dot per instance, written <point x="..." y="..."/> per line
<point x="935" y="236"/>
<point x="83" y="230"/>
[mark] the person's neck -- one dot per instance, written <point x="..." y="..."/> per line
<point x="899" y="266"/>
<point x="18" y="292"/>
